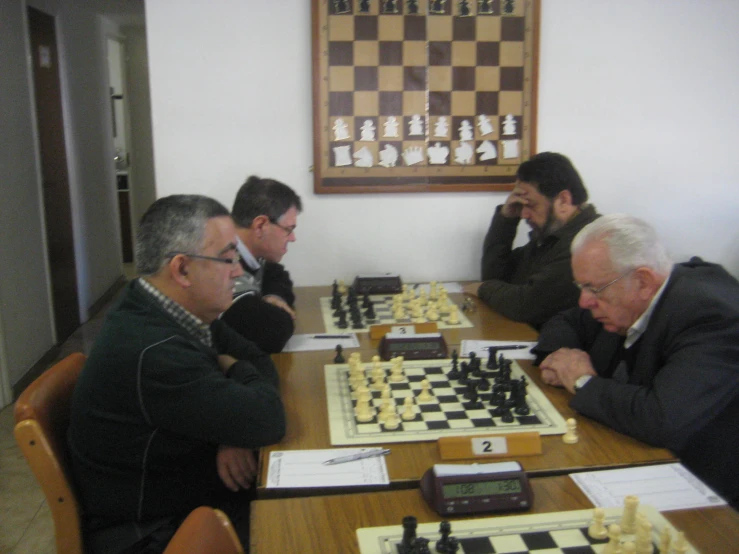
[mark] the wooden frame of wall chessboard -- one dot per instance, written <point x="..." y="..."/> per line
<point x="423" y="95"/>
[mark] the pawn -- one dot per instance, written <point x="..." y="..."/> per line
<point x="628" y="548"/>
<point x="432" y="314"/>
<point x="364" y="411"/>
<point x="597" y="529"/>
<point x="399" y="312"/>
<point x="408" y="412"/>
<point x="363" y="393"/>
<point x="614" y="542"/>
<point x="665" y="539"/>
<point x="341" y="287"/>
<point x="570" y="437"/>
<point x="339" y="358"/>
<point x="392" y="421"/>
<point x="384" y="410"/>
<point x="425" y="394"/>
<point x="453" y="315"/>
<point x="396" y="370"/>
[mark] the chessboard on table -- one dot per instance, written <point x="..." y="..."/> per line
<point x="550" y="533"/>
<point x="447" y="414"/>
<point x="382" y="306"/>
<point x="423" y="95"/>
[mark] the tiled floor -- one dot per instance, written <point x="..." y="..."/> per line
<point x="26" y="526"/>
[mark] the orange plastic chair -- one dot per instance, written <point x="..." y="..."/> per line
<point x="205" y="531"/>
<point x="41" y="420"/>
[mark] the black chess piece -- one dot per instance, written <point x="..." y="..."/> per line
<point x="498" y="396"/>
<point x="445" y="529"/>
<point x="508" y="6"/>
<point x="412" y="7"/>
<point x="486" y="7"/>
<point x="341" y="324"/>
<point x="452" y="545"/>
<point x="492" y="358"/>
<point x="339" y="359"/>
<point x="366" y="301"/>
<point x="464" y="372"/>
<point x="340" y="6"/>
<point x="520" y="406"/>
<point x="336" y="301"/>
<point x="409" y="535"/>
<point x="364" y="6"/>
<point x="370" y="312"/>
<point x="507" y="416"/>
<point x="390" y="6"/>
<point x="464" y="8"/>
<point x="471" y="391"/>
<point x="421" y="546"/>
<point x="437" y="6"/>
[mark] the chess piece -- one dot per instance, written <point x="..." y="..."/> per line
<point x="441" y="128"/>
<point x="341" y="287"/>
<point x="339" y="358"/>
<point x="409" y="533"/>
<point x="408" y="412"/>
<point x="432" y="314"/>
<point x="392" y="421"/>
<point x="509" y="125"/>
<point x="597" y="529"/>
<point x="396" y="371"/>
<point x="364" y="412"/>
<point x="363" y="394"/>
<point x="483" y="123"/>
<point x="628" y="548"/>
<point x="628" y="518"/>
<point x="342" y="156"/>
<point x="368" y="130"/>
<point x="364" y="157"/>
<point x="341" y="131"/>
<point x="445" y="529"/>
<point x="391" y="127"/>
<point x="570" y="437"/>
<point x="465" y="131"/>
<point x="453" y="316"/>
<point x="464" y="153"/>
<point x="487" y="151"/>
<point x="614" y="543"/>
<point x="438" y="154"/>
<point x="425" y="394"/>
<point x="643" y="539"/>
<point x="388" y="156"/>
<point x="415" y="125"/>
<point x="510" y="149"/>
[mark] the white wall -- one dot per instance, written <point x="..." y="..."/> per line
<point x="638" y="94"/>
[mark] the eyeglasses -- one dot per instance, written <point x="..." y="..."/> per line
<point x="595" y="292"/>
<point x="288" y="230"/>
<point x="232" y="261"/>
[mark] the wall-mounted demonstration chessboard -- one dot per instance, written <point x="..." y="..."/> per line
<point x="423" y="95"/>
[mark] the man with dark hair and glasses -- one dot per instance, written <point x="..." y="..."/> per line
<point x="265" y="212"/>
<point x="533" y="282"/>
<point x="172" y="402"/>
<point x="653" y="348"/>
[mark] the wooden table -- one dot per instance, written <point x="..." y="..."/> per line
<point x="304" y="395"/>
<point x="329" y="523"/>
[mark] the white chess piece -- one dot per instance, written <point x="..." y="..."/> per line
<point x="438" y="154"/>
<point x="487" y="151"/>
<point x="464" y="153"/>
<point x="342" y="156"/>
<point x="680" y="546"/>
<point x="614" y="543"/>
<point x="570" y="436"/>
<point x="425" y="394"/>
<point x="441" y="128"/>
<point x="628" y="518"/>
<point x="665" y="538"/>
<point x="409" y="411"/>
<point x="388" y="156"/>
<point x="597" y="529"/>
<point x="509" y="125"/>
<point x="415" y="125"/>
<point x="341" y="129"/>
<point x="368" y="130"/>
<point x="484" y="124"/>
<point x="413" y="155"/>
<point x="465" y="130"/>
<point x="391" y="127"/>
<point x="363" y="157"/>
<point x="510" y="149"/>
<point x="453" y="315"/>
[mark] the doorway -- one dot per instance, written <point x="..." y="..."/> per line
<point x="54" y="176"/>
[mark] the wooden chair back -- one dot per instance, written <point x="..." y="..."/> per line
<point x="41" y="419"/>
<point x="205" y="531"/>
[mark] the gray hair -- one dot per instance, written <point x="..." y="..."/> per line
<point x="173" y="224"/>
<point x="268" y="197"/>
<point x="631" y="243"/>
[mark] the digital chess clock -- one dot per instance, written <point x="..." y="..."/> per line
<point x="478" y="488"/>
<point x="378" y="284"/>
<point x="424" y="346"/>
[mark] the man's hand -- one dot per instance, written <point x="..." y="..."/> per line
<point x="280" y="303"/>
<point x="563" y="367"/>
<point x="471" y="288"/>
<point x="236" y="467"/>
<point x="515" y="201"/>
<point x="225" y="362"/>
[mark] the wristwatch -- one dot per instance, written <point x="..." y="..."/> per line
<point x="581" y="381"/>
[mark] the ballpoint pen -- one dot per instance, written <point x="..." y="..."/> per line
<point x="332" y="336"/>
<point x="358" y="456"/>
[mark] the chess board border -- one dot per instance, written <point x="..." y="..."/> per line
<point x="343" y="427"/>
<point x="328" y="319"/>
<point x="360" y="180"/>
<point x="382" y="540"/>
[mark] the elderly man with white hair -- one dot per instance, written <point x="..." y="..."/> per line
<point x="653" y="348"/>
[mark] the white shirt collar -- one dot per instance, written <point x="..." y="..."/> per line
<point x="246" y="255"/>
<point x="640" y="325"/>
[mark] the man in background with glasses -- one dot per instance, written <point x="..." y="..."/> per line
<point x="653" y="348"/>
<point x="533" y="282"/>
<point x="265" y="212"/>
<point x="171" y="402"/>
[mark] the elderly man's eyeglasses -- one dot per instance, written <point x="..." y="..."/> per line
<point x="596" y="291"/>
<point x="288" y="230"/>
<point x="232" y="261"/>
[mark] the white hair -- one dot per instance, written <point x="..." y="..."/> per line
<point x="631" y="243"/>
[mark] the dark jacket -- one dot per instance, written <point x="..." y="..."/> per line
<point x="679" y="388"/>
<point x="267" y="325"/>
<point x="533" y="282"/>
<point x="151" y="407"/>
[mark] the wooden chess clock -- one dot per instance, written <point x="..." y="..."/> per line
<point x="378" y="284"/>
<point x="501" y="487"/>
<point x="424" y="346"/>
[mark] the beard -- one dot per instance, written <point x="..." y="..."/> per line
<point x="551" y="225"/>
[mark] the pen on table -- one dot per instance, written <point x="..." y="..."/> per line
<point x="332" y="336"/>
<point x="510" y="346"/>
<point x="357" y="456"/>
